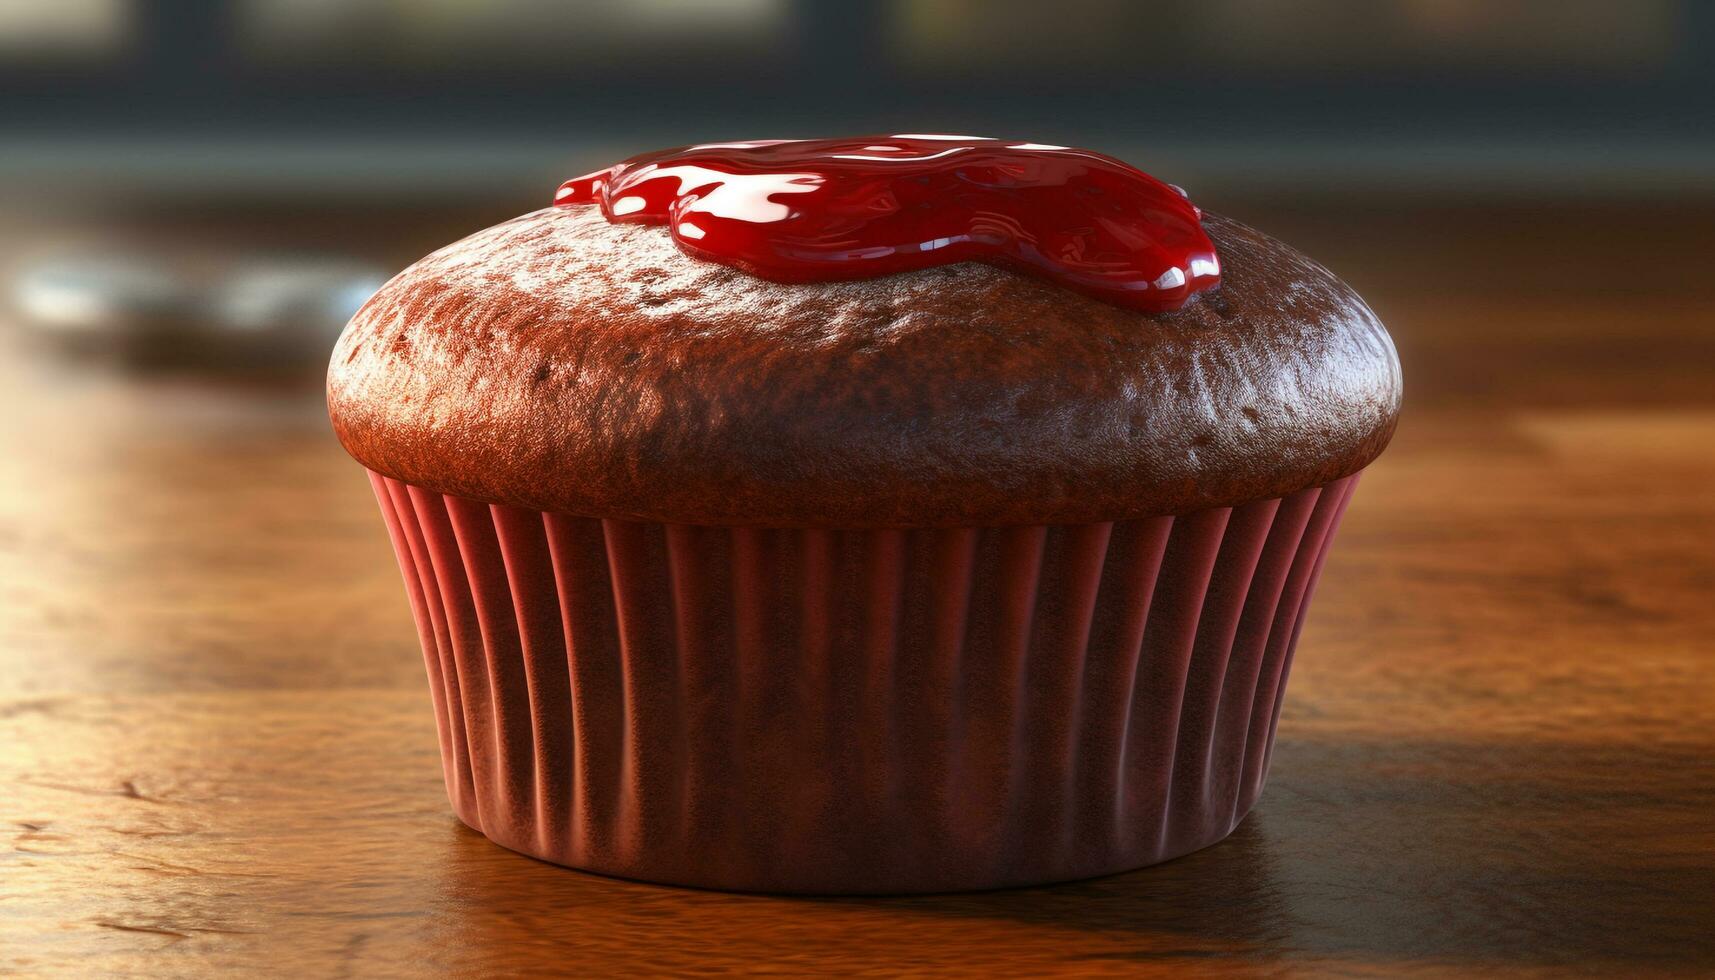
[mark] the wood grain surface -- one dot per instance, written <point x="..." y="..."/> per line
<point x="217" y="755"/>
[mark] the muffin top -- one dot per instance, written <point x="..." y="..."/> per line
<point x="564" y="362"/>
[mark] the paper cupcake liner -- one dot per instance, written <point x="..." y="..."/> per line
<point x="856" y="711"/>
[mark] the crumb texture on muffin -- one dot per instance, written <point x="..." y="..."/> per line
<point x="560" y="362"/>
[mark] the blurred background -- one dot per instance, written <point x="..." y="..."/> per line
<point x="194" y="196"/>
<point x="215" y="185"/>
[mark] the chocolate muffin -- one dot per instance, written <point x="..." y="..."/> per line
<point x="953" y="576"/>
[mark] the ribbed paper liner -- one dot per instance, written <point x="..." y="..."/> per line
<point x="862" y="711"/>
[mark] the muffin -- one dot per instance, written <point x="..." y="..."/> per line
<point x="965" y="570"/>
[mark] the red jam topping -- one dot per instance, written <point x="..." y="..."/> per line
<point x="817" y="210"/>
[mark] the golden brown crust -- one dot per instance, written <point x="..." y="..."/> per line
<point x="560" y="362"/>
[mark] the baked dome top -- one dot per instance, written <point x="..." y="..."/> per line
<point x="564" y="363"/>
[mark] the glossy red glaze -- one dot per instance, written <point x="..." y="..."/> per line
<point x="819" y="210"/>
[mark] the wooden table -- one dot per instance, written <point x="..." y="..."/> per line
<point x="217" y="755"/>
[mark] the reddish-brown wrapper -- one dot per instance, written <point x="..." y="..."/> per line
<point x="856" y="711"/>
